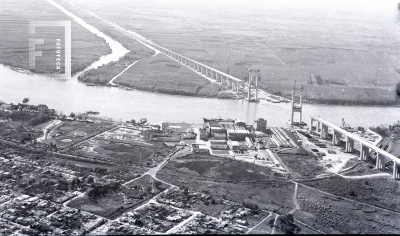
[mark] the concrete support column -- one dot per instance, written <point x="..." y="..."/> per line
<point x="396" y="172"/>
<point x="211" y="74"/>
<point x="335" y="137"/>
<point x="321" y="134"/>
<point x="318" y="126"/>
<point x="237" y="87"/>
<point x="233" y="85"/>
<point x="364" y="153"/>
<point x="324" y="131"/>
<point x="312" y="121"/>
<point x="380" y="161"/>
<point x="349" y="144"/>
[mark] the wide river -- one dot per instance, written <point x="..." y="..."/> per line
<point x="73" y="96"/>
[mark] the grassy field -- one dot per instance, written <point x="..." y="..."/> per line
<point x="341" y="44"/>
<point x="117" y="152"/>
<point x="333" y="215"/>
<point x="72" y="132"/>
<point x="161" y="74"/>
<point x="157" y="74"/>
<point x="114" y="202"/>
<point x="230" y="179"/>
<point x="301" y="164"/>
<point x="380" y="192"/>
<point x="14" y="37"/>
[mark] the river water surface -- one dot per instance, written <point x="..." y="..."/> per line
<point x="73" y="96"/>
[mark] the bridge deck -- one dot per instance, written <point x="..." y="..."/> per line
<point x="155" y="46"/>
<point x="358" y="139"/>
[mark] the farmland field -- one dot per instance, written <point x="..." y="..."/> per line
<point x="14" y="37"/>
<point x="340" y="53"/>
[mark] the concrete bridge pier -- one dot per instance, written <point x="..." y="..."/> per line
<point x="198" y="67"/>
<point x="311" y="125"/>
<point x="211" y="74"/>
<point x="396" y="171"/>
<point x="349" y="145"/>
<point x="335" y="138"/>
<point x="233" y="85"/>
<point x="380" y="161"/>
<point x="324" y="131"/>
<point x="364" y="153"/>
<point x="318" y="126"/>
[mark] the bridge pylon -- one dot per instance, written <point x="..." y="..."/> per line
<point x="297" y="105"/>
<point x="253" y="74"/>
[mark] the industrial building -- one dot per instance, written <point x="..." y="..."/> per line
<point x="238" y="137"/>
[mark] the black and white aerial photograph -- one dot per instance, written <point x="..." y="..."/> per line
<point x="133" y="117"/>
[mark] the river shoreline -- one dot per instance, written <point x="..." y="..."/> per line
<point x="234" y="97"/>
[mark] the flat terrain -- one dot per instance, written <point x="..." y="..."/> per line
<point x="381" y="192"/>
<point x="14" y="37"/>
<point x="340" y="53"/>
<point x="161" y="74"/>
<point x="156" y="74"/>
<point x="114" y="201"/>
<point x="71" y="132"/>
<point x="334" y="215"/>
<point x="230" y="179"/>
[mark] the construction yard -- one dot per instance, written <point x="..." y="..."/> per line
<point x="70" y="133"/>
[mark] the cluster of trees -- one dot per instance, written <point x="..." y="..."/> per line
<point x="42" y="118"/>
<point x="285" y="224"/>
<point x="97" y="190"/>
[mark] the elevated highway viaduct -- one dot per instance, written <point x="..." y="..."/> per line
<point x="365" y="147"/>
<point x="212" y="74"/>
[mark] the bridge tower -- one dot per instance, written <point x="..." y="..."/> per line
<point x="297" y="105"/>
<point x="253" y="74"/>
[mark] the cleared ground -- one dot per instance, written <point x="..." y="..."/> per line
<point x="334" y="215"/>
<point x="230" y="179"/>
<point x="115" y="201"/>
